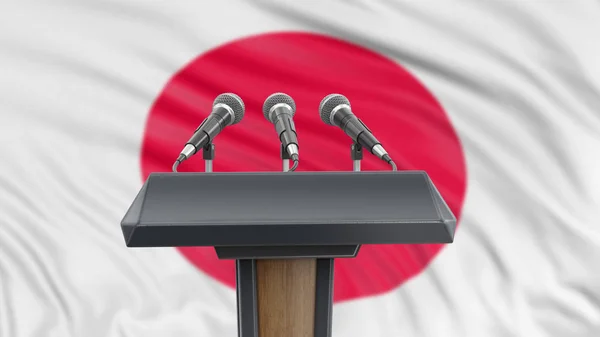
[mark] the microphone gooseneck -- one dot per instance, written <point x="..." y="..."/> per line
<point x="228" y="109"/>
<point x="279" y="109"/>
<point x="335" y="110"/>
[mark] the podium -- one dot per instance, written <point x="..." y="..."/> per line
<point x="284" y="229"/>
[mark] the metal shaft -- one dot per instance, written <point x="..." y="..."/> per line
<point x="286" y="165"/>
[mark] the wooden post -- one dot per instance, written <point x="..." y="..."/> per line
<point x="286" y="297"/>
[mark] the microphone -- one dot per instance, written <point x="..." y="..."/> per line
<point x="228" y="109"/>
<point x="335" y="110"/>
<point x="279" y="109"/>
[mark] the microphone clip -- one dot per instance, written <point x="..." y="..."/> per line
<point x="284" y="154"/>
<point x="356" y="151"/>
<point x="208" y="151"/>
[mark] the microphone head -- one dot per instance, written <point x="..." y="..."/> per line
<point x="328" y="104"/>
<point x="278" y="98"/>
<point x="234" y="102"/>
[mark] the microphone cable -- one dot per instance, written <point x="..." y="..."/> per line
<point x="177" y="162"/>
<point x="296" y="163"/>
<point x="388" y="159"/>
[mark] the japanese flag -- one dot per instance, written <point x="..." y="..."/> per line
<point x="499" y="101"/>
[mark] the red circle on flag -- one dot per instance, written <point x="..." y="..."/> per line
<point x="400" y="111"/>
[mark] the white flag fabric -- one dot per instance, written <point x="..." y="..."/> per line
<point x="519" y="80"/>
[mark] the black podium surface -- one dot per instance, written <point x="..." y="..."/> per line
<point x="291" y="209"/>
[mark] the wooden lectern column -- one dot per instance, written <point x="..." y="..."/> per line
<point x="279" y="297"/>
<point x="286" y="297"/>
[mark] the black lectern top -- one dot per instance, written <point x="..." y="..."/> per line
<point x="285" y="208"/>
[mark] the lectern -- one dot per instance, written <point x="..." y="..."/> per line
<point x="285" y="229"/>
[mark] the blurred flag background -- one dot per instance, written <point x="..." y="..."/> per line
<point x="498" y="100"/>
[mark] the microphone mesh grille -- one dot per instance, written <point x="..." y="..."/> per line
<point x="234" y="102"/>
<point x="278" y="98"/>
<point x="329" y="103"/>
